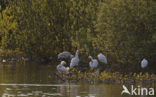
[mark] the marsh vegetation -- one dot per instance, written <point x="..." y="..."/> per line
<point x="123" y="30"/>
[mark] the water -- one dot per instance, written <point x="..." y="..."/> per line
<point x="33" y="80"/>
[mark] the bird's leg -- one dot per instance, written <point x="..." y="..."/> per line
<point x="69" y="76"/>
<point x="62" y="74"/>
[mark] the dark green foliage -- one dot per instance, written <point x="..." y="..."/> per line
<point x="125" y="33"/>
<point x="121" y="29"/>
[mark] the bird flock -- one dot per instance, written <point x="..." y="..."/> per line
<point x="63" y="67"/>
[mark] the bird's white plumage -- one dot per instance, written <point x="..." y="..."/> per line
<point x="65" y="55"/>
<point x="74" y="60"/>
<point x="144" y="63"/>
<point x="62" y="68"/>
<point x="93" y="63"/>
<point x="102" y="58"/>
<point x="3" y="60"/>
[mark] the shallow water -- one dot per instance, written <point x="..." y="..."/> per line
<point x="33" y="80"/>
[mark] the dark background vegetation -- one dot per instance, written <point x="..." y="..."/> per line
<point x="123" y="30"/>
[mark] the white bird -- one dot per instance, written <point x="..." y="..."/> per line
<point x="93" y="63"/>
<point x="3" y="60"/>
<point x="65" y="55"/>
<point x="74" y="60"/>
<point x="62" y="68"/>
<point x="144" y="63"/>
<point x="102" y="58"/>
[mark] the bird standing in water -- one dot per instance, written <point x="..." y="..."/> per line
<point x="65" y="56"/>
<point x="74" y="60"/>
<point x="93" y="63"/>
<point x="102" y="58"/>
<point x="144" y="63"/>
<point x="61" y="68"/>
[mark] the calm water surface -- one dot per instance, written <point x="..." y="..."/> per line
<point x="33" y="80"/>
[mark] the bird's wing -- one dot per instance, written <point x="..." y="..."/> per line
<point x="64" y="69"/>
<point x="144" y="63"/>
<point x="64" y="54"/>
<point x="102" y="58"/>
<point x="95" y="63"/>
<point x="74" y="62"/>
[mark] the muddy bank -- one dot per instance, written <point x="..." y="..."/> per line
<point x="12" y="56"/>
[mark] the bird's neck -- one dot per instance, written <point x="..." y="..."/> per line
<point x="76" y="54"/>
<point x="91" y="58"/>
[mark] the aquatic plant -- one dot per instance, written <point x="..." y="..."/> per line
<point x="108" y="77"/>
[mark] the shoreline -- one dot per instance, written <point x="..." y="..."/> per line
<point x="7" y="56"/>
<point x="109" y="78"/>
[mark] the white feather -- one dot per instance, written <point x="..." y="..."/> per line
<point x="144" y="63"/>
<point x="93" y="63"/>
<point x="75" y="60"/>
<point x="62" y="68"/>
<point x="3" y="60"/>
<point x="102" y="58"/>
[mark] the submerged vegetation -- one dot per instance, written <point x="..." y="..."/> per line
<point x="123" y="30"/>
<point x="110" y="78"/>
